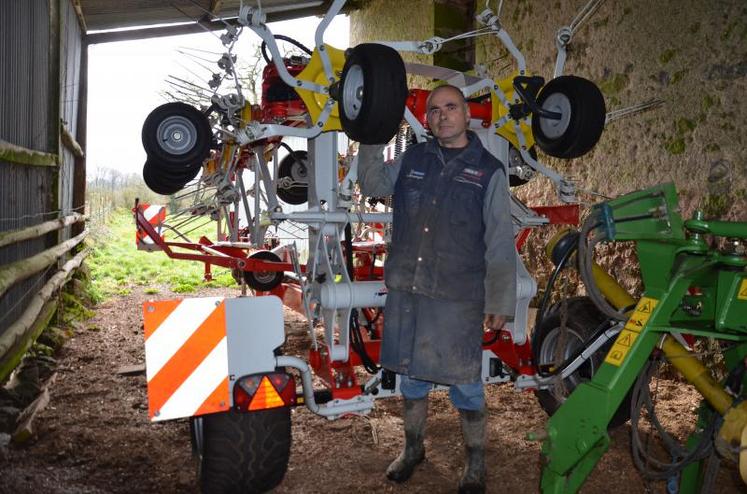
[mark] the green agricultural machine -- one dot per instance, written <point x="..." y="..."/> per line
<point x="694" y="275"/>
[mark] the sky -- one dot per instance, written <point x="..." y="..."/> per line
<point x="125" y="79"/>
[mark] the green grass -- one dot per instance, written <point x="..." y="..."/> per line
<point x="116" y="264"/>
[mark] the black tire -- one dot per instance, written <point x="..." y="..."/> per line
<point x="244" y="452"/>
<point x="264" y="281"/>
<point x="177" y="134"/>
<point x="583" y="318"/>
<point x="294" y="166"/>
<point x="168" y="181"/>
<point x="373" y="90"/>
<point x="582" y="109"/>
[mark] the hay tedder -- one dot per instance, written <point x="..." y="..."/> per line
<point x="221" y="361"/>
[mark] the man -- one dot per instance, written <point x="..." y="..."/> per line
<point x="450" y="271"/>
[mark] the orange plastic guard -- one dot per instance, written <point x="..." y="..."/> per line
<point x="155" y="215"/>
<point x="186" y="360"/>
<point x="192" y="346"/>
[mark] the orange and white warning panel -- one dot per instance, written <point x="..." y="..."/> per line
<point x="196" y="348"/>
<point x="156" y="216"/>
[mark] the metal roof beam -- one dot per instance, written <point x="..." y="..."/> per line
<point x="200" y="26"/>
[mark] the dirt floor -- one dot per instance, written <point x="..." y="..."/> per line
<point x="95" y="437"/>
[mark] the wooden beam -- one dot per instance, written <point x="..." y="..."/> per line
<point x="23" y="156"/>
<point x="12" y="237"/>
<point x="215" y="6"/>
<point x="79" y="173"/>
<point x="55" y="83"/>
<point x="53" y="199"/>
<point x="25" y="429"/>
<point x="19" y="336"/>
<point x="81" y="17"/>
<point x="20" y="270"/>
<point x="69" y="141"/>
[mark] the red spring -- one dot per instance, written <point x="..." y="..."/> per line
<point x="279" y="100"/>
<point x="279" y="111"/>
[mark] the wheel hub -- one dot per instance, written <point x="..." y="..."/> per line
<point x="558" y="103"/>
<point x="177" y="135"/>
<point x="549" y="353"/>
<point x="352" y="92"/>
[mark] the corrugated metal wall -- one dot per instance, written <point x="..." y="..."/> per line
<point x="24" y="115"/>
<point x="24" y="76"/>
<point x="70" y="51"/>
<point x="30" y="83"/>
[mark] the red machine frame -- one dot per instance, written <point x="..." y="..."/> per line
<point x="340" y="377"/>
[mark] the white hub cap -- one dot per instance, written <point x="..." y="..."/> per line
<point x="176" y="135"/>
<point x="558" y="103"/>
<point x="352" y="93"/>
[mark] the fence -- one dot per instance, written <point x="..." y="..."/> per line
<point x="42" y="165"/>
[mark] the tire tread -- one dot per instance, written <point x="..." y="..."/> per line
<point x="245" y="452"/>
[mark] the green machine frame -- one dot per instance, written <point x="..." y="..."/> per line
<point x="689" y="287"/>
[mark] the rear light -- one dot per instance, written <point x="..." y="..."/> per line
<point x="264" y="391"/>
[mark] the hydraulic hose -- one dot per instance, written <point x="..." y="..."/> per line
<point x="283" y="38"/>
<point x="585" y="262"/>
<point x="356" y="338"/>
<point x="545" y="299"/>
<point x="650" y="466"/>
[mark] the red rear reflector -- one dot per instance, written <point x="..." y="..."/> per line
<point x="266" y="397"/>
<point x="262" y="392"/>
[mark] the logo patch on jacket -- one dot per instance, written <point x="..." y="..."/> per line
<point x="417" y="175"/>
<point x="470" y="176"/>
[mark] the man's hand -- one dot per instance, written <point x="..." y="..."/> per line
<point x="494" y="322"/>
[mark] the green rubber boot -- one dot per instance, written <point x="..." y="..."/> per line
<point x="473" y="429"/>
<point x="413" y="453"/>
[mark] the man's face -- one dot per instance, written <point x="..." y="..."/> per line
<point x="448" y="117"/>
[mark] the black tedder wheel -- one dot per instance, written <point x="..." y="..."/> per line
<point x="244" y="452"/>
<point x="373" y="90"/>
<point x="582" y="319"/>
<point x="168" y="181"/>
<point x="582" y="109"/>
<point x="177" y="134"/>
<point x="294" y="167"/>
<point x="264" y="281"/>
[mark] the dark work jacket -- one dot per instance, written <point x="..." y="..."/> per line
<point x="436" y="270"/>
<point x="438" y="246"/>
<point x="435" y="306"/>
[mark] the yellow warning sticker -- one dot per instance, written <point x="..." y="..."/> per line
<point x="635" y="323"/>
<point x="742" y="292"/>
<point x="621" y="347"/>
<point x="633" y="327"/>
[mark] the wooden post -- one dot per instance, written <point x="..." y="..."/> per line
<point x="79" y="175"/>
<point x="53" y="111"/>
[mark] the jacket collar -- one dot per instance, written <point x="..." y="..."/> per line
<point x="470" y="154"/>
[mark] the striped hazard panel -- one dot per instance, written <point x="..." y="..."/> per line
<point x="186" y="357"/>
<point x="155" y="215"/>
